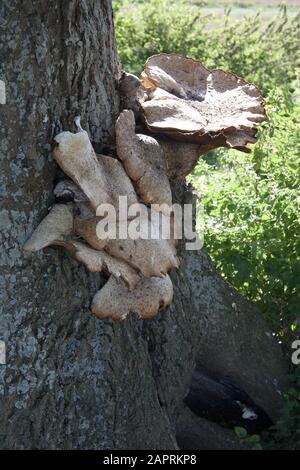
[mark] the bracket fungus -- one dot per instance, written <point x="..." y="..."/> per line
<point x="114" y="300"/>
<point x="54" y="229"/>
<point x="97" y="261"/>
<point x="144" y="161"/>
<point x="182" y="102"/>
<point x="189" y="110"/>
<point x="150" y="257"/>
<point x="189" y="102"/>
<point x="57" y="228"/>
<point x="76" y="157"/>
<point x="137" y="266"/>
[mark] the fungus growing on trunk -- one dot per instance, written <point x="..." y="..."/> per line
<point x="115" y="301"/>
<point x="97" y="261"/>
<point x="144" y="161"/>
<point x="55" y="228"/>
<point x="102" y="179"/>
<point x="190" y="109"/>
<point x="191" y="103"/>
<point x="151" y="257"/>
<point x="188" y="103"/>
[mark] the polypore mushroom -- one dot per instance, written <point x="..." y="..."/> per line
<point x="151" y="257"/>
<point x="55" y="228"/>
<point x="144" y="161"/>
<point x="191" y="103"/>
<point x="113" y="171"/>
<point x="148" y="256"/>
<point x="193" y="109"/>
<point x="97" y="261"/>
<point x="101" y="178"/>
<point x="119" y="181"/>
<point x="75" y="155"/>
<point x="115" y="301"/>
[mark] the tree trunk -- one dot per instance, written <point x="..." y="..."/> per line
<point x="70" y="380"/>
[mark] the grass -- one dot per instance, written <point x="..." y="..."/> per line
<point x="268" y="10"/>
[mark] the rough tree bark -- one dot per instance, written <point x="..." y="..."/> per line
<point x="72" y="381"/>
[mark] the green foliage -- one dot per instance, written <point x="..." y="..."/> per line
<point x="287" y="428"/>
<point x="249" y="441"/>
<point x="286" y="433"/>
<point x="147" y="28"/>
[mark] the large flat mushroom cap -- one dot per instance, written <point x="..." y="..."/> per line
<point x="189" y="102"/>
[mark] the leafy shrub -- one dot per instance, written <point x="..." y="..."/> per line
<point x="286" y="433"/>
<point x="249" y="441"/>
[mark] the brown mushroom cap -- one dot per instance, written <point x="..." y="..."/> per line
<point x="144" y="161"/>
<point x="101" y="179"/>
<point x="115" y="301"/>
<point x="118" y="180"/>
<point x="149" y="257"/>
<point x="189" y="102"/>
<point x="76" y="157"/>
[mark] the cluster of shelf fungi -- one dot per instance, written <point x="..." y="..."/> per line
<point x="186" y="110"/>
<point x="183" y="110"/>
